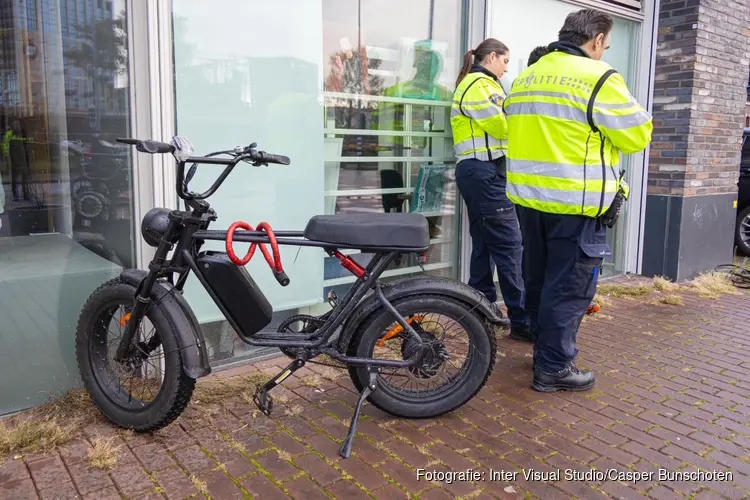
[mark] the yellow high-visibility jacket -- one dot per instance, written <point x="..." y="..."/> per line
<point x="567" y="126"/>
<point x="478" y="123"/>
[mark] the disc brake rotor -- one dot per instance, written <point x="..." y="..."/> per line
<point x="433" y="362"/>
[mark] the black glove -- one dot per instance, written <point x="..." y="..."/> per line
<point x="610" y="217"/>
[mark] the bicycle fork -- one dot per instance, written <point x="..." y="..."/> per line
<point x="143" y="296"/>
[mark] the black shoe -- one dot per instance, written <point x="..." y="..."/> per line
<point x="568" y="379"/>
<point x="521" y="333"/>
<point x="505" y="321"/>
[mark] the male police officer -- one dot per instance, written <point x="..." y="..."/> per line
<point x="537" y="53"/>
<point x="570" y="115"/>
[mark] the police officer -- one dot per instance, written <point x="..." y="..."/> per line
<point x="570" y="116"/>
<point x="537" y="53"/>
<point x="480" y="134"/>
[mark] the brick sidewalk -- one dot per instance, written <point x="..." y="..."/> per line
<point x="672" y="393"/>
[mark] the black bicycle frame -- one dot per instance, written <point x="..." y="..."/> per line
<point x="188" y="230"/>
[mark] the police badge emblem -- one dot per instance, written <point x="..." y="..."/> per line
<point x="496" y="99"/>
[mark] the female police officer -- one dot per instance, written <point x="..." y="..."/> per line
<point x="480" y="134"/>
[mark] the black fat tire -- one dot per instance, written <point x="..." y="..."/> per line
<point x="480" y="367"/>
<point x="177" y="387"/>
<point x="743" y="216"/>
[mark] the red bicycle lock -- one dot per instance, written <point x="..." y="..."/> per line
<point x="274" y="261"/>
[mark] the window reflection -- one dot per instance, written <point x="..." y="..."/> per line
<point x="388" y="89"/>
<point x="63" y="102"/>
<point x="65" y="202"/>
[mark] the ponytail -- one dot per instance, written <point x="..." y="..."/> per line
<point x="480" y="53"/>
<point x="468" y="61"/>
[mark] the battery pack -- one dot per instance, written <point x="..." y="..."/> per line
<point x="235" y="292"/>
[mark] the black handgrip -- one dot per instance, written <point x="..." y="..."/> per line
<point x="281" y="277"/>
<point x="272" y="158"/>
<point x="132" y="142"/>
<point x="154" y="147"/>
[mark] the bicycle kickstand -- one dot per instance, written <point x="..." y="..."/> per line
<point x="346" y="446"/>
<point x="262" y="398"/>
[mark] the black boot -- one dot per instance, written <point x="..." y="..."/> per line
<point x="506" y="322"/>
<point x="567" y="379"/>
<point x="521" y="333"/>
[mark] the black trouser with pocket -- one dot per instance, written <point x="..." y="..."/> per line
<point x="562" y="256"/>
<point x="495" y="234"/>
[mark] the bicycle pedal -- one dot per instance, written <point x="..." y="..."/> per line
<point x="263" y="400"/>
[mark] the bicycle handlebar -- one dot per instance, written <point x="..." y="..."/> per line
<point x="151" y="147"/>
<point x="239" y="154"/>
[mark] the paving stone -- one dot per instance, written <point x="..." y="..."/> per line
<point x="109" y="493"/>
<point x="390" y="492"/>
<point x="278" y="467"/>
<point x="13" y="470"/>
<point x="346" y="489"/>
<point x="20" y="489"/>
<point x="304" y="489"/>
<point x="64" y="491"/>
<point x="75" y="451"/>
<point x="362" y="473"/>
<point x="283" y="441"/>
<point x="153" y="457"/>
<point x="260" y="487"/>
<point x="48" y="472"/>
<point x="235" y="464"/>
<point x="403" y="476"/>
<point x="131" y="480"/>
<point x="318" y="468"/>
<point x="193" y="459"/>
<point x="175" y="482"/>
<point x="221" y="486"/>
<point x="88" y="479"/>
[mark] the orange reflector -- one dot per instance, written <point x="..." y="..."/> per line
<point x="125" y="319"/>
<point x="398" y="329"/>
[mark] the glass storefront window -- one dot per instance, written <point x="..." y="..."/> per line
<point x="529" y="30"/>
<point x="67" y="200"/>
<point x="356" y="93"/>
<point x="388" y="91"/>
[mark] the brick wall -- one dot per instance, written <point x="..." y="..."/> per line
<point x="700" y="96"/>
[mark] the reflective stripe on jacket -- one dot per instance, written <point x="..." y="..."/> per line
<point x="564" y="155"/>
<point x="479" y="127"/>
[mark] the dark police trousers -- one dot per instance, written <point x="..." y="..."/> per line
<point x="562" y="257"/>
<point x="495" y="234"/>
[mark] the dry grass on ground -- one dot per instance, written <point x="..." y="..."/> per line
<point x="665" y="285"/>
<point x="103" y="454"/>
<point x="51" y="425"/>
<point x="670" y="300"/>
<point x="34" y="436"/>
<point x="708" y="286"/>
<point x="199" y="485"/>
<point x="623" y="291"/>
<point x="713" y="285"/>
<point x="216" y="390"/>
<point x="48" y="426"/>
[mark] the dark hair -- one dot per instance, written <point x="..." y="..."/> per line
<point x="537" y="54"/>
<point x="479" y="54"/>
<point x="584" y="25"/>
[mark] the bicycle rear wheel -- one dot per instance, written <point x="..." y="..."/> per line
<point x="436" y="385"/>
